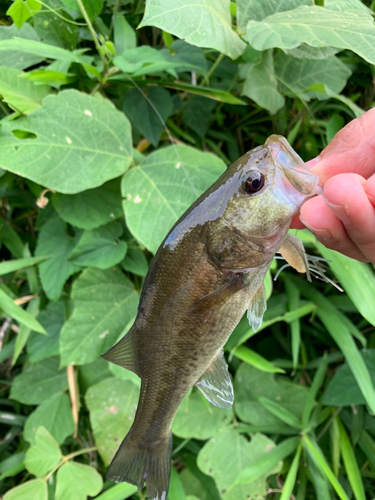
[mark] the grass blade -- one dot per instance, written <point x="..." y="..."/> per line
<point x="17" y="264"/>
<point x="291" y="477"/>
<point x="280" y="412"/>
<point x="293" y="295"/>
<point x="268" y="462"/>
<point x="350" y="463"/>
<point x="253" y="358"/>
<point x="19" y="314"/>
<point x="322" y="464"/>
<point x="317" y="382"/>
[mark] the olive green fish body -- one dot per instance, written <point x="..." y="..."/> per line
<point x="208" y="271"/>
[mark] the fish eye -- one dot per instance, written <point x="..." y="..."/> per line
<point x="254" y="182"/>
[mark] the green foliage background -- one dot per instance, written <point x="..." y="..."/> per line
<point x="99" y="120"/>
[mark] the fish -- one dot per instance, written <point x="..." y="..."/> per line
<point x="206" y="274"/>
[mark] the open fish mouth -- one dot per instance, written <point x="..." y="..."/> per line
<point x="292" y="176"/>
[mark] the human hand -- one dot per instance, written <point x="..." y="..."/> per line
<point x="343" y="217"/>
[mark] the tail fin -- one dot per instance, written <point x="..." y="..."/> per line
<point x="135" y="464"/>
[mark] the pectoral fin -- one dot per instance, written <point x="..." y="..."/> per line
<point x="294" y="253"/>
<point x="215" y="384"/>
<point x="122" y="353"/>
<point x="257" y="307"/>
<point x="219" y="296"/>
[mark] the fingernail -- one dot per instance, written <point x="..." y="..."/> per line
<point x="340" y="211"/>
<point x="321" y="234"/>
<point x="313" y="162"/>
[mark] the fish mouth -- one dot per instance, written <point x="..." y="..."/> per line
<point x="292" y="176"/>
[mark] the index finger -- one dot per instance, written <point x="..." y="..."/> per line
<point x="352" y="150"/>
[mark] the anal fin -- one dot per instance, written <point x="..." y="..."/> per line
<point x="122" y="353"/>
<point x="215" y="384"/>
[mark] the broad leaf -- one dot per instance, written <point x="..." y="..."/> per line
<point x="305" y="51"/>
<point x="12" y="58"/>
<point x="43" y="455"/>
<point x="124" y="35"/>
<point x="162" y="187"/>
<point x="92" y="208"/>
<point x="257" y="10"/>
<point x="261" y="84"/>
<point x="21" y="10"/>
<point x="78" y="481"/>
<point x="224" y="456"/>
<point x="20" y="94"/>
<point x="100" y="247"/>
<point x="36" y="489"/>
<point x="90" y="146"/>
<point x="251" y="383"/>
<point x="92" y="7"/>
<point x="197" y="114"/>
<point x="297" y="75"/>
<point x="355" y="6"/>
<point x="54" y="240"/>
<point x="135" y="261"/>
<point x="343" y="389"/>
<point x="52" y="319"/>
<point x="213" y="17"/>
<point x="317" y="27"/>
<point x="112" y="404"/>
<point x="104" y="302"/>
<point x="197" y="418"/>
<point x="147" y="115"/>
<point x="195" y="482"/>
<point x="39" y="382"/>
<point x="55" y="414"/>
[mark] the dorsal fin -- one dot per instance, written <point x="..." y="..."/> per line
<point x="122" y="353"/>
<point x="257" y="307"/>
<point x="215" y="384"/>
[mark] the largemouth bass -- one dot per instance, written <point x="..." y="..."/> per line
<point x="207" y="272"/>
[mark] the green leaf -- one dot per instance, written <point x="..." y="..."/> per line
<point x="14" y="59"/>
<point x="104" y="301"/>
<point x="226" y="455"/>
<point x="197" y="114"/>
<point x="317" y="27"/>
<point x="53" y="239"/>
<point x="36" y="489"/>
<point x="261" y="84"/>
<point x="20" y="94"/>
<point x="17" y="264"/>
<point x="56" y="30"/>
<point x="24" y="333"/>
<point x="19" y="314"/>
<point x="111" y="414"/>
<point x="195" y="482"/>
<point x="334" y="124"/>
<point x="124" y="35"/>
<point x="258" y="9"/>
<point x="55" y="414"/>
<point x="343" y="389"/>
<point x="11" y="240"/>
<point x="305" y="51"/>
<point x="176" y="490"/>
<point x="213" y="18"/>
<point x="92" y="208"/>
<point x="162" y="187"/>
<point x="90" y="146"/>
<point x="268" y="462"/>
<point x="44" y="455"/>
<point x="94" y="372"/>
<point x="320" y="461"/>
<point x="36" y="48"/>
<point x="357" y="279"/>
<point x="21" y="10"/>
<point x="52" y="319"/>
<point x="355" y="6"/>
<point x="135" y="261"/>
<point x="39" y="382"/>
<point x="297" y="75"/>
<point x="145" y="113"/>
<point x="291" y="477"/>
<point x="317" y="382"/>
<point x="100" y="247"/>
<point x="253" y="358"/>
<point x="210" y="93"/>
<point x="92" y="7"/>
<point x="78" y="481"/>
<point x="350" y="463"/>
<point x="118" y="492"/>
<point x="251" y="383"/>
<point x="197" y="418"/>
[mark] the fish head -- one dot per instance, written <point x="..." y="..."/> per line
<point x="269" y="184"/>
